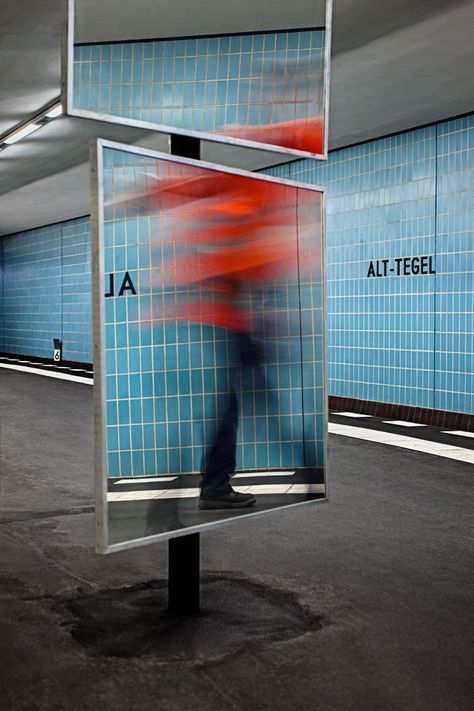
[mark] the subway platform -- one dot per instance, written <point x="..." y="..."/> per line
<point x="364" y="603"/>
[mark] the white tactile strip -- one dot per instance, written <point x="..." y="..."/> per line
<point x="397" y="440"/>
<point x="194" y="492"/>
<point x="145" y="480"/>
<point x="350" y="414"/>
<point x="48" y="373"/>
<point x="161" y="479"/>
<point x="403" y="423"/>
<point x="39" y="366"/>
<point x="244" y="475"/>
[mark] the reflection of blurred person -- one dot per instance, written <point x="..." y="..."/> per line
<point x="222" y="237"/>
<point x="304" y="134"/>
<point x="216" y="489"/>
<point x="292" y="91"/>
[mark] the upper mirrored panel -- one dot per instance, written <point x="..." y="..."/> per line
<point x="255" y="76"/>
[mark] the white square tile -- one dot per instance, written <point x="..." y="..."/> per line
<point x="402" y="423"/>
<point x="351" y="414"/>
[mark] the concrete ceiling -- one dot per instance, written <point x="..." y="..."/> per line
<point x="394" y="66"/>
<point x="109" y="20"/>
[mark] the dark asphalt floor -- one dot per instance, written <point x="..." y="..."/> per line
<point x="365" y="603"/>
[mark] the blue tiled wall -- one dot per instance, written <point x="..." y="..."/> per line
<point x="454" y="307"/>
<point x="401" y="339"/>
<point x="76" y="290"/>
<point x="2" y="315"/>
<point x="32" y="291"/>
<point x="404" y="339"/>
<point x="46" y="274"/>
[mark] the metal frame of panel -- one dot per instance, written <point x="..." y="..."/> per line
<point x="68" y="88"/>
<point x="101" y="466"/>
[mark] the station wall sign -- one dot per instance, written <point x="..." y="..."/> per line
<point x="402" y="266"/>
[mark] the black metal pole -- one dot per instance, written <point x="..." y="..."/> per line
<point x="185" y="146"/>
<point x="183" y="574"/>
<point x="184" y="551"/>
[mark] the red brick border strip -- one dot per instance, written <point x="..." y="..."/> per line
<point x="423" y="415"/>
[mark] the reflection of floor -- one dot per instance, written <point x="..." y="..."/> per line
<point x="129" y="520"/>
<point x="150" y="506"/>
<point x="285" y="482"/>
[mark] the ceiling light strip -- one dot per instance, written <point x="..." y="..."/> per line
<point x="42" y="118"/>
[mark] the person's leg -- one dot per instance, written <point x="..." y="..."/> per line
<point x="220" y="463"/>
<point x="216" y="490"/>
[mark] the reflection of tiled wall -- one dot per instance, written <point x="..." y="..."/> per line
<point x="46" y="291"/>
<point x="207" y="83"/>
<point x="167" y="382"/>
<point x="405" y="339"/>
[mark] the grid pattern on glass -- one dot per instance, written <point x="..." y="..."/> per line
<point x="380" y="205"/>
<point x="263" y="87"/>
<point x="167" y="379"/>
<point x="454" y="325"/>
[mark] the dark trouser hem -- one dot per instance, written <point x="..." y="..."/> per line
<point x="220" y="464"/>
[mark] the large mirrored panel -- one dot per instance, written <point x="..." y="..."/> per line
<point x="254" y="74"/>
<point x="209" y="356"/>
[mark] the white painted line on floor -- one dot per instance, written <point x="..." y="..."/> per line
<point x="193" y="492"/>
<point x="179" y="494"/>
<point x="243" y="475"/>
<point x="145" y="480"/>
<point x="283" y="489"/>
<point x="33" y="364"/>
<point x="350" y="414"/>
<point x="402" y="423"/>
<point x="461" y="433"/>
<point x="396" y="440"/>
<point x="49" y="374"/>
<point x="159" y="479"/>
<point x="264" y="489"/>
<point x="153" y="494"/>
<point x="307" y="489"/>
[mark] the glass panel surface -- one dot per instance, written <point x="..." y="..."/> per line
<point x="266" y="89"/>
<point x="209" y="336"/>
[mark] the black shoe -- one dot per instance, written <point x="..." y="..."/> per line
<point x="231" y="500"/>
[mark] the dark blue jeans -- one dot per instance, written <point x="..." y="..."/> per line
<point x="220" y="464"/>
